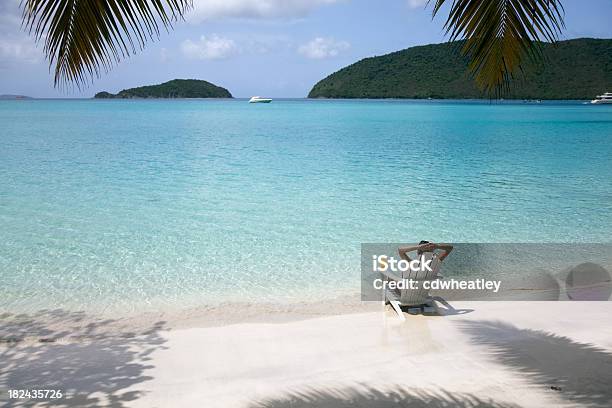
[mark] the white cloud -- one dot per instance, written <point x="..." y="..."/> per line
<point x="417" y="3"/>
<point x="255" y="43"/>
<point x="16" y="49"/>
<point x="219" y="47"/>
<point x="253" y="9"/>
<point x="320" y="48"/>
<point x="16" y="46"/>
<point x="213" y="47"/>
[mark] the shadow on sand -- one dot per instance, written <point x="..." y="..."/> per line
<point x="441" y="307"/>
<point x="367" y="397"/>
<point x="92" y="362"/>
<point x="579" y="372"/>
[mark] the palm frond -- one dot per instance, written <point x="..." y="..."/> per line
<point x="500" y="34"/>
<point x="84" y="38"/>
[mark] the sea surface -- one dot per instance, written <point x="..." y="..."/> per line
<point x="123" y="206"/>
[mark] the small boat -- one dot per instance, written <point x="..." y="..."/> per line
<point x="259" y="99"/>
<point x="603" y="99"/>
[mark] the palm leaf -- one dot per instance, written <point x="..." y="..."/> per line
<point x="83" y="38"/>
<point x="500" y="34"/>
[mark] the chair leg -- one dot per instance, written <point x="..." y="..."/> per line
<point x="398" y="310"/>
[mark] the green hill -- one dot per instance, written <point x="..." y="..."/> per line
<point x="573" y="69"/>
<point x="177" y="88"/>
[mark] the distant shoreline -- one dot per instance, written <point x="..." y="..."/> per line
<point x="10" y="97"/>
<point x="276" y="99"/>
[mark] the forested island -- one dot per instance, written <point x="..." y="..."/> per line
<point x="177" y="88"/>
<point x="572" y="69"/>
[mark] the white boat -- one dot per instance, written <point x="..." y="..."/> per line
<point x="603" y="99"/>
<point x="259" y="99"/>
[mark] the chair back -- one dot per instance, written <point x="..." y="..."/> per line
<point x="414" y="297"/>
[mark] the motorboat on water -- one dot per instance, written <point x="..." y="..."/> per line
<point x="259" y="99"/>
<point x="603" y="99"/>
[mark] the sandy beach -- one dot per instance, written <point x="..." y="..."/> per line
<point x="500" y="354"/>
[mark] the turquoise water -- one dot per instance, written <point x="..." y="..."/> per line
<point x="138" y="205"/>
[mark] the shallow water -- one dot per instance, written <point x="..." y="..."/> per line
<point x="140" y="205"/>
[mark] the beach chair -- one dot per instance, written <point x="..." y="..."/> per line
<point x="413" y="299"/>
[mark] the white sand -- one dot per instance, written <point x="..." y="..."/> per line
<point x="498" y="354"/>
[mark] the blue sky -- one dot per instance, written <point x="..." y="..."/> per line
<point x="277" y="48"/>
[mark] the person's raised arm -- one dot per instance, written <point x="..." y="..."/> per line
<point x="403" y="252"/>
<point x="446" y="248"/>
<point x="425" y="247"/>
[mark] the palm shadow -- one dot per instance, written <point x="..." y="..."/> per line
<point x="579" y="372"/>
<point x="369" y="397"/>
<point x="92" y="361"/>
